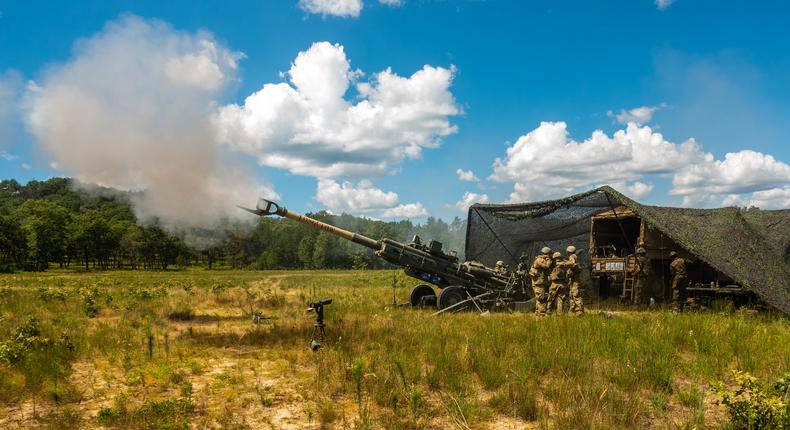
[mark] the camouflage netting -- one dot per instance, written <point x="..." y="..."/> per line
<point x="749" y="245"/>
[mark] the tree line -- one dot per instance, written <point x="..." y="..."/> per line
<point x="55" y="223"/>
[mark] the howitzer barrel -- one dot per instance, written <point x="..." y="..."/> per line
<point x="426" y="262"/>
<point x="272" y="208"/>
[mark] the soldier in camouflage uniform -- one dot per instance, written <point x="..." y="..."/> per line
<point x="539" y="272"/>
<point x="679" y="276"/>
<point x="574" y="282"/>
<point x="641" y="271"/>
<point x="500" y="268"/>
<point x="558" y="291"/>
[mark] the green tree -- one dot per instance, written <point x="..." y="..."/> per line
<point x="305" y="251"/>
<point x="45" y="226"/>
<point x="320" y="251"/>
<point x="91" y="235"/>
<point x="13" y="244"/>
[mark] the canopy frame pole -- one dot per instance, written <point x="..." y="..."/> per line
<point x="515" y="260"/>
<point x="619" y="224"/>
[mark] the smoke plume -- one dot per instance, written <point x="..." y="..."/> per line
<point x="131" y="109"/>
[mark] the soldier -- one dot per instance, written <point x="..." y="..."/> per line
<point x="574" y="283"/>
<point x="678" y="269"/>
<point x="558" y="291"/>
<point x="640" y="272"/>
<point x="522" y="270"/>
<point x="500" y="268"/>
<point x="539" y="272"/>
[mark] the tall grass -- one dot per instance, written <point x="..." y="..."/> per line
<point x="153" y="336"/>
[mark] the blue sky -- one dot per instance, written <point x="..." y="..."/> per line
<point x="711" y="71"/>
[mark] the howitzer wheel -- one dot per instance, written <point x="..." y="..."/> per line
<point x="450" y="296"/>
<point x="419" y="293"/>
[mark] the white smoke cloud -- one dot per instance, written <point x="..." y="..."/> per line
<point x="663" y="4"/>
<point x="341" y="8"/>
<point x="308" y="127"/>
<point x="469" y="199"/>
<point x="364" y="198"/>
<point x="132" y="109"/>
<point x="466" y="175"/>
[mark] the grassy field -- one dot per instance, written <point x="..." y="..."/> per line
<point x="144" y="350"/>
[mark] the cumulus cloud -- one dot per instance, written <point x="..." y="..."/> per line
<point x="640" y="115"/>
<point x="663" y="4"/>
<point x="392" y="3"/>
<point x="739" y="172"/>
<point x="635" y="190"/>
<point x="469" y="199"/>
<point x="547" y="163"/>
<point x="132" y="109"/>
<point x="775" y="198"/>
<point x="466" y="175"/>
<point x="309" y="127"/>
<point x="341" y="8"/>
<point x="364" y="198"/>
<point x="410" y="210"/>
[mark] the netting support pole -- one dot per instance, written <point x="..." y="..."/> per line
<point x="495" y="235"/>
<point x="619" y="224"/>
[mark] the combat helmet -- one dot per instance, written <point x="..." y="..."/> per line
<point x="673" y="254"/>
<point x="557" y="255"/>
<point x="571" y="249"/>
<point x="641" y="250"/>
<point x="546" y="250"/>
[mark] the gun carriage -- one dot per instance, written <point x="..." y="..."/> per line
<point x="462" y="285"/>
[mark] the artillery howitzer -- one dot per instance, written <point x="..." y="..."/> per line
<point x="463" y="285"/>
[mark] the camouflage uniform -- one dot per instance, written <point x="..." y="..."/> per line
<point x="679" y="276"/>
<point x="558" y="291"/>
<point x="641" y="270"/>
<point x="522" y="270"/>
<point x="576" y="291"/>
<point x="539" y="272"/>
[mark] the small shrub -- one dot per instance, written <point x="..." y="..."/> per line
<point x="90" y="301"/>
<point x="220" y="288"/>
<point x="26" y="339"/>
<point x="49" y="295"/>
<point x="754" y="406"/>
